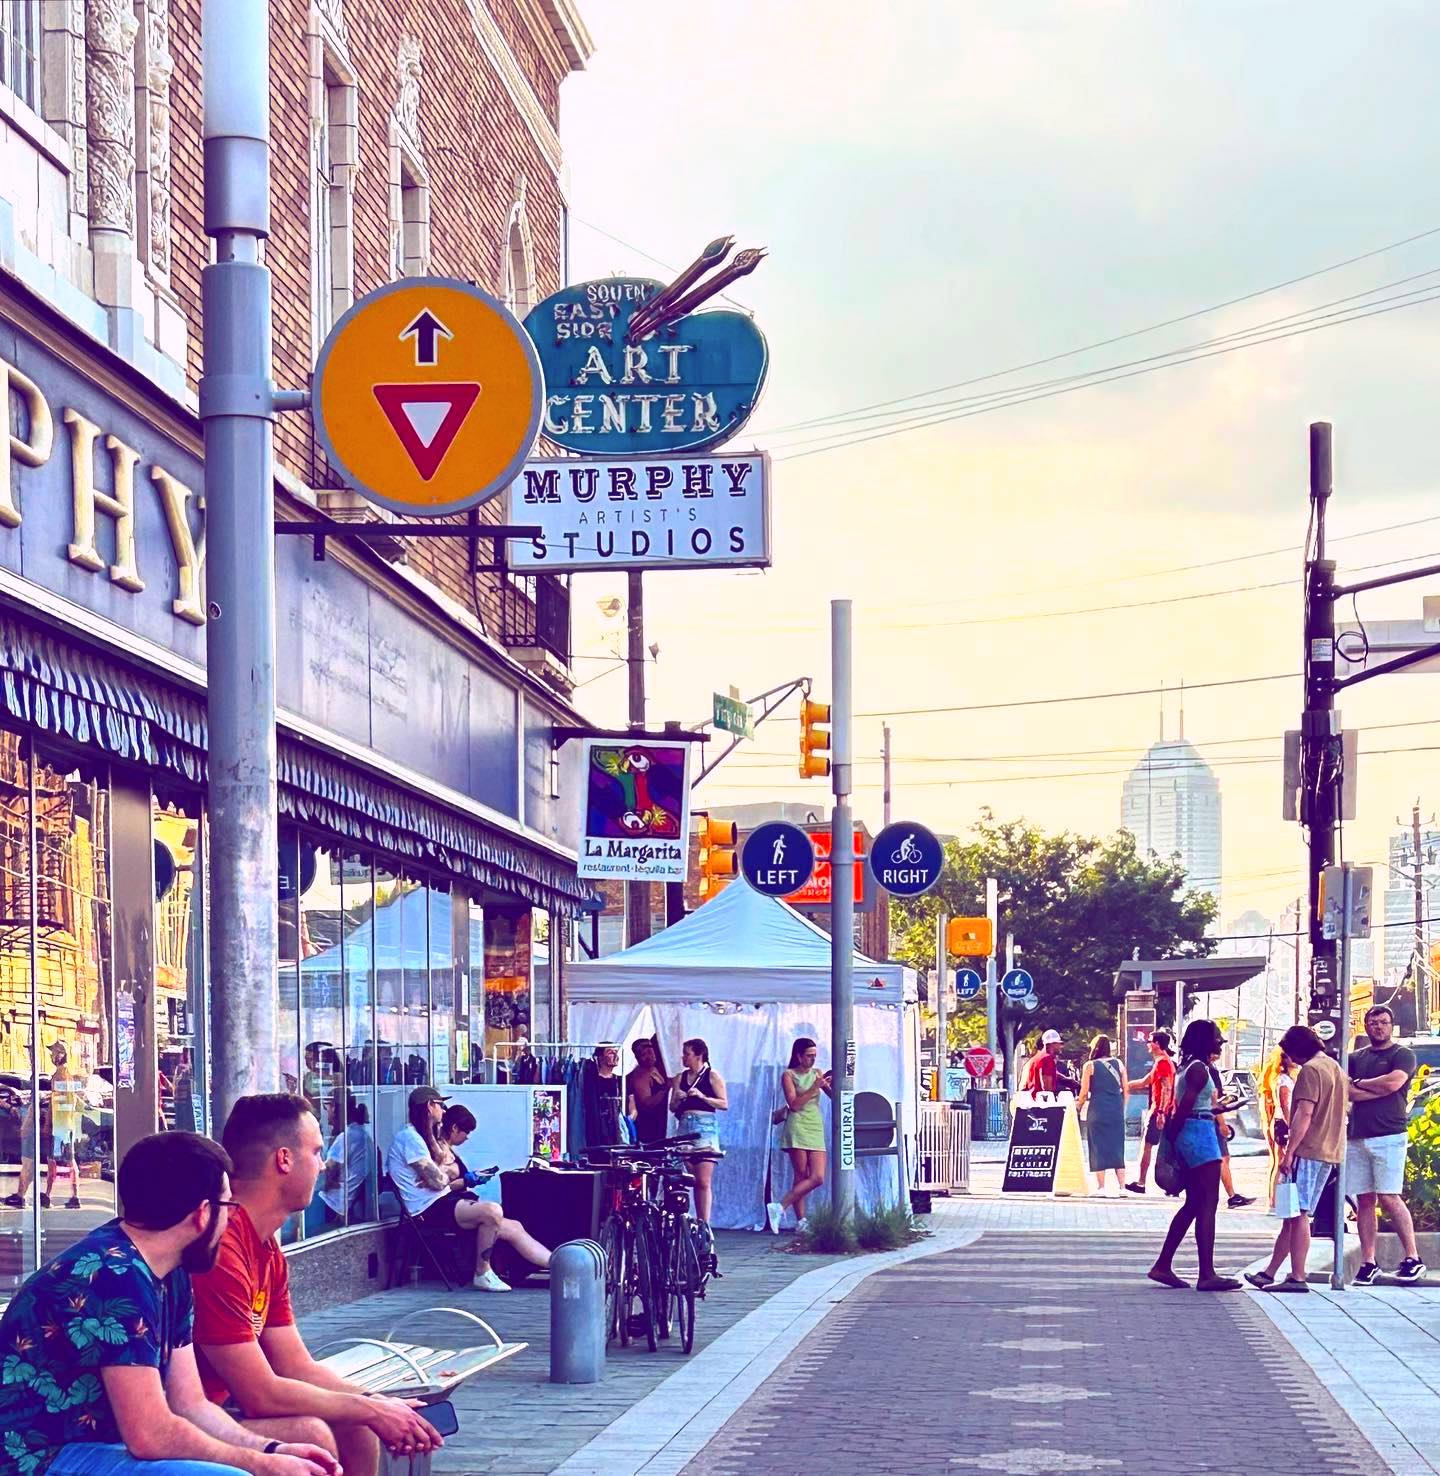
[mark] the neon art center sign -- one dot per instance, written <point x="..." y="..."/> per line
<point x="624" y="377"/>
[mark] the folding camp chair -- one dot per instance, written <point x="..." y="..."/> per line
<point x="412" y="1242"/>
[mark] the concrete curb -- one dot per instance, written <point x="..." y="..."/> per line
<point x="664" y="1432"/>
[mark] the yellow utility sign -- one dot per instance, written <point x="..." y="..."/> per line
<point x="427" y="396"/>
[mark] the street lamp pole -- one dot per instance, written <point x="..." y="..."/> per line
<point x="237" y="409"/>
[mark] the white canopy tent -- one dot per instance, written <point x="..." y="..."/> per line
<point x="748" y="974"/>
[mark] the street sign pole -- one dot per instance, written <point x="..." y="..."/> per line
<point x="992" y="1010"/>
<point x="842" y="916"/>
<point x="942" y="1053"/>
<point x="237" y="407"/>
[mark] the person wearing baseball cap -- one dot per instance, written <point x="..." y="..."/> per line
<point x="429" y="1187"/>
<point x="1042" y="1074"/>
<point x="1159" y="1081"/>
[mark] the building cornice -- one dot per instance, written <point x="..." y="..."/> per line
<point x="532" y="112"/>
<point x="570" y="32"/>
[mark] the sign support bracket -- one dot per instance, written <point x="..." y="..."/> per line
<point x="321" y="529"/>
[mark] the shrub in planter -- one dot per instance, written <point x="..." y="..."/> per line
<point x="1422" y="1171"/>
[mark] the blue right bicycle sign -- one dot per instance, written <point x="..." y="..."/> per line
<point x="906" y="859"/>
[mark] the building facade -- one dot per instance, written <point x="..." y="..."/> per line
<point x="1171" y="805"/>
<point x="1400" y="941"/>
<point x="426" y="866"/>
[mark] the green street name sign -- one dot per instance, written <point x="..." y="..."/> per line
<point x="731" y="715"/>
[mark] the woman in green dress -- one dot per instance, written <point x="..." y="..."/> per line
<point x="803" y="1136"/>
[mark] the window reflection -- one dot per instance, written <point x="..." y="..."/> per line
<point x="392" y="896"/>
<point x="507" y="976"/>
<point x="442" y="987"/>
<point x="72" y="943"/>
<point x="17" y="1123"/>
<point x="180" y="1016"/>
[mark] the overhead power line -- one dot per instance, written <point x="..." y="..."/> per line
<point x="1119" y="337"/>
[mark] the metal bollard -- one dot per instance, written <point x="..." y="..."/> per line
<point x="577" y="1313"/>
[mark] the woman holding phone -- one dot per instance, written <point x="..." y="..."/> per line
<point x="696" y="1095"/>
<point x="803" y="1136"/>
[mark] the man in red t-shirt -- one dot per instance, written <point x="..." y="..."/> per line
<point x="1042" y="1072"/>
<point x="249" y="1350"/>
<point x="1159" y="1081"/>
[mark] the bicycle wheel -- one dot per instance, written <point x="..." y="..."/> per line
<point x="684" y="1279"/>
<point x="664" y="1239"/>
<point x="626" y="1292"/>
<point x="646" y="1281"/>
<point x="610" y="1244"/>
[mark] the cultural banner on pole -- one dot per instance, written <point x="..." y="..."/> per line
<point x="636" y="821"/>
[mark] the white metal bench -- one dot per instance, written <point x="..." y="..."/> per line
<point x="413" y="1371"/>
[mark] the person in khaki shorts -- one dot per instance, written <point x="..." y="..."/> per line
<point x="1312" y="1153"/>
<point x="1380" y="1076"/>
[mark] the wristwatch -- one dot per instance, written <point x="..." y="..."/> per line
<point x="270" y="1447"/>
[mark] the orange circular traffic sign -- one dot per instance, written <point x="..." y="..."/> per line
<point x="427" y="396"/>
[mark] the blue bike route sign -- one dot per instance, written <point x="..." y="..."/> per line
<point x="1017" y="984"/>
<point x="968" y="983"/>
<point x="906" y="859"/>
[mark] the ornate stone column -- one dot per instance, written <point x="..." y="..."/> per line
<point x="152" y="164"/>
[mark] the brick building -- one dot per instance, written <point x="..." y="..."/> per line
<point x="427" y="828"/>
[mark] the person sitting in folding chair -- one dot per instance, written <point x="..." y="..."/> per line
<point x="416" y="1165"/>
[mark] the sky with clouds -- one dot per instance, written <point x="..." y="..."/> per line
<point x="950" y="190"/>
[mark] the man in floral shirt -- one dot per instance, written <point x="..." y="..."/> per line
<point x="97" y="1371"/>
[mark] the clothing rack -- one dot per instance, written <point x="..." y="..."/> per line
<point x="537" y="1047"/>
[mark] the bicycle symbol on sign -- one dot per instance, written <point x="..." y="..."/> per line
<point x="907" y="853"/>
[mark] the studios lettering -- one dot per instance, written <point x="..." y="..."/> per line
<point x="706" y="511"/>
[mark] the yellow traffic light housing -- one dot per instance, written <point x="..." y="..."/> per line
<point x="970" y="937"/>
<point x="814" y="739"/>
<point x="717" y="862"/>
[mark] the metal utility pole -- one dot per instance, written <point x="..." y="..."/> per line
<point x="885" y="766"/>
<point x="637" y="894"/>
<point x="237" y="409"/>
<point x="1321" y="743"/>
<point x="842" y="915"/>
<point x="1422" y="955"/>
<point x="1337" y="1214"/>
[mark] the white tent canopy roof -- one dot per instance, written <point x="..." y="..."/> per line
<point x="742" y="947"/>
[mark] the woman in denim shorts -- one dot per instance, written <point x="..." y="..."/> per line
<point x="1194" y="1141"/>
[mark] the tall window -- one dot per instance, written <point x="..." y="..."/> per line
<point x="20" y="49"/>
<point x="519" y="263"/>
<point x="322" y="226"/>
<point x="334" y="142"/>
<point x="410" y="222"/>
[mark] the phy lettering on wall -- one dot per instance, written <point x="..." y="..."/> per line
<point x="691" y="512"/>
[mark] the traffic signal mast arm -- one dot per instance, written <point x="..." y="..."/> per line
<point x="768" y="702"/>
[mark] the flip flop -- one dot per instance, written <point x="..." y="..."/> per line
<point x="1218" y="1284"/>
<point x="1259" y="1279"/>
<point x="1169" y="1279"/>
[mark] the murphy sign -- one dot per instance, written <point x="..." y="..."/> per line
<point x="710" y="512"/>
<point x="631" y="370"/>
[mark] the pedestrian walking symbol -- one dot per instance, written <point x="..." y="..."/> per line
<point x="777" y="858"/>
<point x="968" y="983"/>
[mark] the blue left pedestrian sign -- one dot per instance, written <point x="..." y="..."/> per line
<point x="967" y="983"/>
<point x="906" y="859"/>
<point x="777" y="858"/>
<point x="1017" y="984"/>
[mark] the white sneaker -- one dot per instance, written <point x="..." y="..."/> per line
<point x="488" y="1281"/>
<point x="802" y="1225"/>
<point x="773" y="1212"/>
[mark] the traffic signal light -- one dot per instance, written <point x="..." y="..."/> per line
<point x="814" y="739"/>
<point x="970" y="937"/>
<point x="717" y="861"/>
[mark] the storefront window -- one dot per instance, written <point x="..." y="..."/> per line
<point x="293" y="882"/>
<point x="412" y="916"/>
<point x="391" y="898"/>
<point x="507" y="976"/>
<point x="473" y="1004"/>
<point x="181" y="1019"/>
<point x="17" y="1068"/>
<point x="357" y="1144"/>
<point x="72" y="925"/>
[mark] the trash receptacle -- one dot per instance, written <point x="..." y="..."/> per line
<point x="577" y="1313"/>
<point x="989" y="1120"/>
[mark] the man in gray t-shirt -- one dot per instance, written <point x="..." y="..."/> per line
<point x="1380" y="1075"/>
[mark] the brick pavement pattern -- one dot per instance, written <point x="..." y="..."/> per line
<point x="512" y="1419"/>
<point x="1035" y="1353"/>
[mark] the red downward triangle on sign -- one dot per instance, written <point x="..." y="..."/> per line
<point x="426" y="418"/>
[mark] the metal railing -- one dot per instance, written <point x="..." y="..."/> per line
<point x="535" y="611"/>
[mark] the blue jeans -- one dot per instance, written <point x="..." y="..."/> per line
<point x="90" y="1458"/>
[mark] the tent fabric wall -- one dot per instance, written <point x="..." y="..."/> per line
<point x="750" y="1046"/>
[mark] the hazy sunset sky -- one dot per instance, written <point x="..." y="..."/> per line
<point x="949" y="190"/>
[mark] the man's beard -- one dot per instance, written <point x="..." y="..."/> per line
<point x="200" y="1255"/>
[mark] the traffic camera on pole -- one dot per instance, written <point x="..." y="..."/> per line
<point x="717" y="861"/>
<point x="814" y="739"/>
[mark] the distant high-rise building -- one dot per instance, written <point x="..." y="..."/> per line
<point x="1171" y="805"/>
<point x="1400" y="896"/>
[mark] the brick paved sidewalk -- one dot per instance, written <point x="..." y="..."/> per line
<point x="513" y="1419"/>
<point x="1033" y="1353"/>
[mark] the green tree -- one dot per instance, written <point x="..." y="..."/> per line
<point x="1076" y="904"/>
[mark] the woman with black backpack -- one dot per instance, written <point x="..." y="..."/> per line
<point x="1192" y="1145"/>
